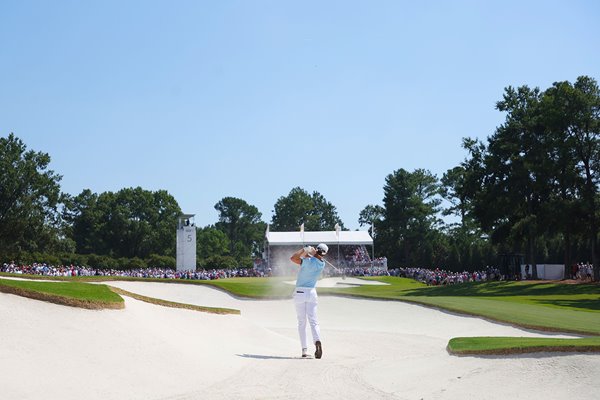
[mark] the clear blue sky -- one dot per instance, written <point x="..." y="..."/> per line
<point x="208" y="99"/>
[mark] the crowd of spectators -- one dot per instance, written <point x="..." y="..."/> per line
<point x="359" y="257"/>
<point x="429" y="276"/>
<point x="582" y="271"/>
<point x="158" y="273"/>
<point x="357" y="271"/>
<point x="435" y="277"/>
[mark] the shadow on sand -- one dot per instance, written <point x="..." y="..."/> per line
<point x="264" y="357"/>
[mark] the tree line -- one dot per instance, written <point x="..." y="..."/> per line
<point x="530" y="188"/>
<point x="130" y="228"/>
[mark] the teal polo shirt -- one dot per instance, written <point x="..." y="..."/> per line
<point x="310" y="269"/>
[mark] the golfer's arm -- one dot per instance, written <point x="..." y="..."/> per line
<point x="296" y="257"/>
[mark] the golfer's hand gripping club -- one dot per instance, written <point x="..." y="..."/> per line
<point x="309" y="251"/>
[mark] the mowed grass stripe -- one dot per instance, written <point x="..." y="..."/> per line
<point x="74" y="294"/>
<point x="520" y="345"/>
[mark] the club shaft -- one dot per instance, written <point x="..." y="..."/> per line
<point x="333" y="266"/>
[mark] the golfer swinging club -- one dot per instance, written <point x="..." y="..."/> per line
<point x="305" y="297"/>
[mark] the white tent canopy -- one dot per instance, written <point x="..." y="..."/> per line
<point x="313" y="238"/>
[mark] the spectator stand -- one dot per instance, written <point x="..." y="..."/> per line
<point x="347" y="249"/>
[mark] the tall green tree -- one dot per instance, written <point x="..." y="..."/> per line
<point x="566" y="202"/>
<point x="518" y="169"/>
<point x="300" y="207"/>
<point x="468" y="247"/>
<point x="29" y="199"/>
<point x="452" y="190"/>
<point x="573" y="114"/>
<point x="83" y="218"/>
<point x="507" y="182"/>
<point x="132" y="222"/>
<point x="242" y="224"/>
<point x="211" y="242"/>
<point x="409" y="232"/>
<point x="535" y="185"/>
<point x="371" y="215"/>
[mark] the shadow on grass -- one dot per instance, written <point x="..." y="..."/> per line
<point x="492" y="289"/>
<point x="583" y="304"/>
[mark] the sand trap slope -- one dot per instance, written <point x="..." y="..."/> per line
<point x="143" y="352"/>
<point x="373" y="349"/>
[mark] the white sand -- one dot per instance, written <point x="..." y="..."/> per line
<point x="372" y="350"/>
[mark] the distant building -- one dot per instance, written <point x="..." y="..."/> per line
<point x="347" y="249"/>
<point x="186" y="242"/>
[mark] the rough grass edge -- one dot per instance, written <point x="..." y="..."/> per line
<point x="172" y="304"/>
<point x="525" y="350"/>
<point x="61" y="300"/>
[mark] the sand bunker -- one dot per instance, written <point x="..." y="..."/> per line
<point x="372" y="350"/>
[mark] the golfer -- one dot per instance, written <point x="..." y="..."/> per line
<point x="305" y="296"/>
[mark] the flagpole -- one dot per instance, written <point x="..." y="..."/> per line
<point x="337" y="233"/>
<point x="268" y="249"/>
<point x="373" y="246"/>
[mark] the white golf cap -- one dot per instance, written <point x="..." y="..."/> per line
<point x="322" y="249"/>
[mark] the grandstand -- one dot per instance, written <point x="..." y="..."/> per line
<point x="347" y="249"/>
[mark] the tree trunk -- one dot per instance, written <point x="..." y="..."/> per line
<point x="595" y="258"/>
<point x="567" y="258"/>
<point x="591" y="194"/>
<point x="532" y="258"/>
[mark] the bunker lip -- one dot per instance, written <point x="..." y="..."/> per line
<point x="172" y="304"/>
<point x="61" y="300"/>
<point x="526" y="350"/>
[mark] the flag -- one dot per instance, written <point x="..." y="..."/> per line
<point x="337" y="230"/>
<point x="267" y="232"/>
<point x="302" y="232"/>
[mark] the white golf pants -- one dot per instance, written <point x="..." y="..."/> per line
<point x="305" y="300"/>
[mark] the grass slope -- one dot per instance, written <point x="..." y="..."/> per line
<point x="516" y="345"/>
<point x="74" y="294"/>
